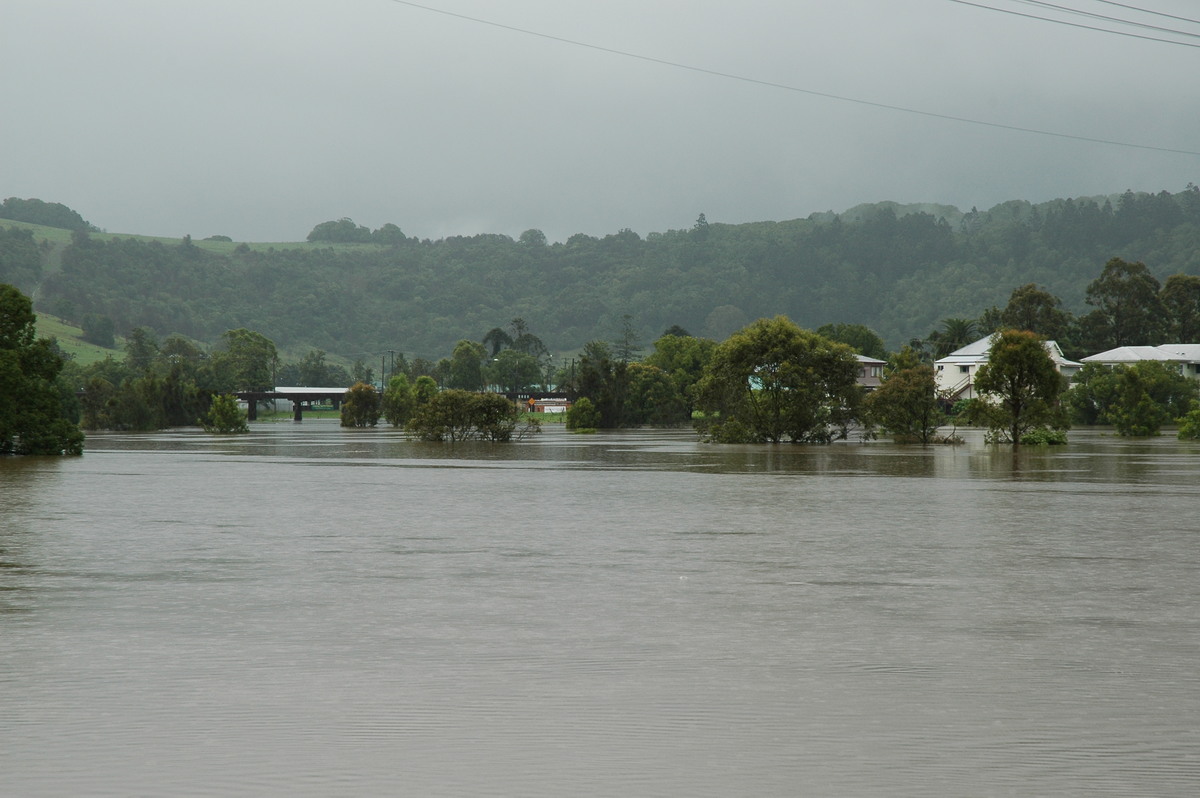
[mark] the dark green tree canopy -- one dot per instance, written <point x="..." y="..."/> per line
<point x="859" y="337"/>
<point x="1181" y="301"/>
<point x="1137" y="400"/>
<point x="908" y="405"/>
<point x="20" y="260"/>
<point x="1129" y="310"/>
<point x="1020" y="386"/>
<point x="50" y="214"/>
<point x="33" y="414"/>
<point x="773" y="381"/>
<point x="246" y="361"/>
<point x="341" y="231"/>
<point x="1033" y="308"/>
<point x="361" y="406"/>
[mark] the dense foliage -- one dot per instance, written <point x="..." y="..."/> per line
<point x="361" y="407"/>
<point x="908" y="405"/>
<point x="50" y="214"/>
<point x="773" y="382"/>
<point x="457" y="415"/>
<point x="898" y="271"/>
<point x="1022" y="387"/>
<point x="224" y="416"/>
<point x="1138" y="400"/>
<point x="20" y="259"/>
<point x="35" y="405"/>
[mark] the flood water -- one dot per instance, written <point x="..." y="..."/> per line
<point x="311" y="611"/>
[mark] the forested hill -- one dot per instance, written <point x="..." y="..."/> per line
<point x="896" y="269"/>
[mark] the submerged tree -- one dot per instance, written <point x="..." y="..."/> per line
<point x="33" y="416"/>
<point x="908" y="405"/>
<point x="398" y="401"/>
<point x="773" y="381"/>
<point x="360" y="407"/>
<point x="224" y="416"/>
<point x="455" y="415"/>
<point x="1137" y="400"/>
<point x="1019" y="387"/>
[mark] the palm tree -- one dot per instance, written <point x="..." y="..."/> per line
<point x="955" y="334"/>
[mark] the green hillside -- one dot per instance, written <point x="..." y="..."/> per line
<point x="898" y="269"/>
<point x="70" y="340"/>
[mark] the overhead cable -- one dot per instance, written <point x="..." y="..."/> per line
<point x="797" y="89"/>
<point x="1148" y="11"/>
<point x="1071" y="24"/>
<point x="1106" y="18"/>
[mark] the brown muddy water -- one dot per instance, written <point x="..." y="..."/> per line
<point x="311" y="611"/>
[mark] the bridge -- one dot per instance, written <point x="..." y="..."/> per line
<point x="302" y="398"/>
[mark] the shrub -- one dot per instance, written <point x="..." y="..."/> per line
<point x="224" y="416"/>
<point x="361" y="406"/>
<point x="582" y="415"/>
<point x="1044" y="437"/>
<point x="1189" y="424"/>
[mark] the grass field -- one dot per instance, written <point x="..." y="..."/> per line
<point x="69" y="339"/>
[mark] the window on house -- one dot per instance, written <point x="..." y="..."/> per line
<point x="964" y="369"/>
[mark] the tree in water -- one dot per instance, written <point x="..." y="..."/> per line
<point x="582" y="416"/>
<point x="398" y="401"/>
<point x="908" y="405"/>
<point x="1019" y="387"/>
<point x="33" y="416"/>
<point x="773" y="381"/>
<point x="360" y="407"/>
<point x="224" y="416"/>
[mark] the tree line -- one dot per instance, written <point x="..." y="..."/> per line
<point x="770" y="382"/>
<point x="1130" y="307"/>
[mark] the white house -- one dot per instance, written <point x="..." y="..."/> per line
<point x="955" y="373"/>
<point x="1185" y="357"/>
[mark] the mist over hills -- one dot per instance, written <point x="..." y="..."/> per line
<point x="898" y="269"/>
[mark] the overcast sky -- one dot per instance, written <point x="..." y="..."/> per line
<point x="258" y="119"/>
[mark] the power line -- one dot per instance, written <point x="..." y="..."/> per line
<point x="1148" y="11"/>
<point x="1106" y="18"/>
<point x="797" y="89"/>
<point x="1073" y="24"/>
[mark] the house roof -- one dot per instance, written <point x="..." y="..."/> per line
<point x="870" y="361"/>
<point x="977" y="352"/>
<point x="1185" y="353"/>
<point x="1128" y="354"/>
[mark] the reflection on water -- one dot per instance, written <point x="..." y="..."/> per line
<point x="312" y="611"/>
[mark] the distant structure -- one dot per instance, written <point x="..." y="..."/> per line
<point x="302" y="398"/>
<point x="955" y="373"/>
